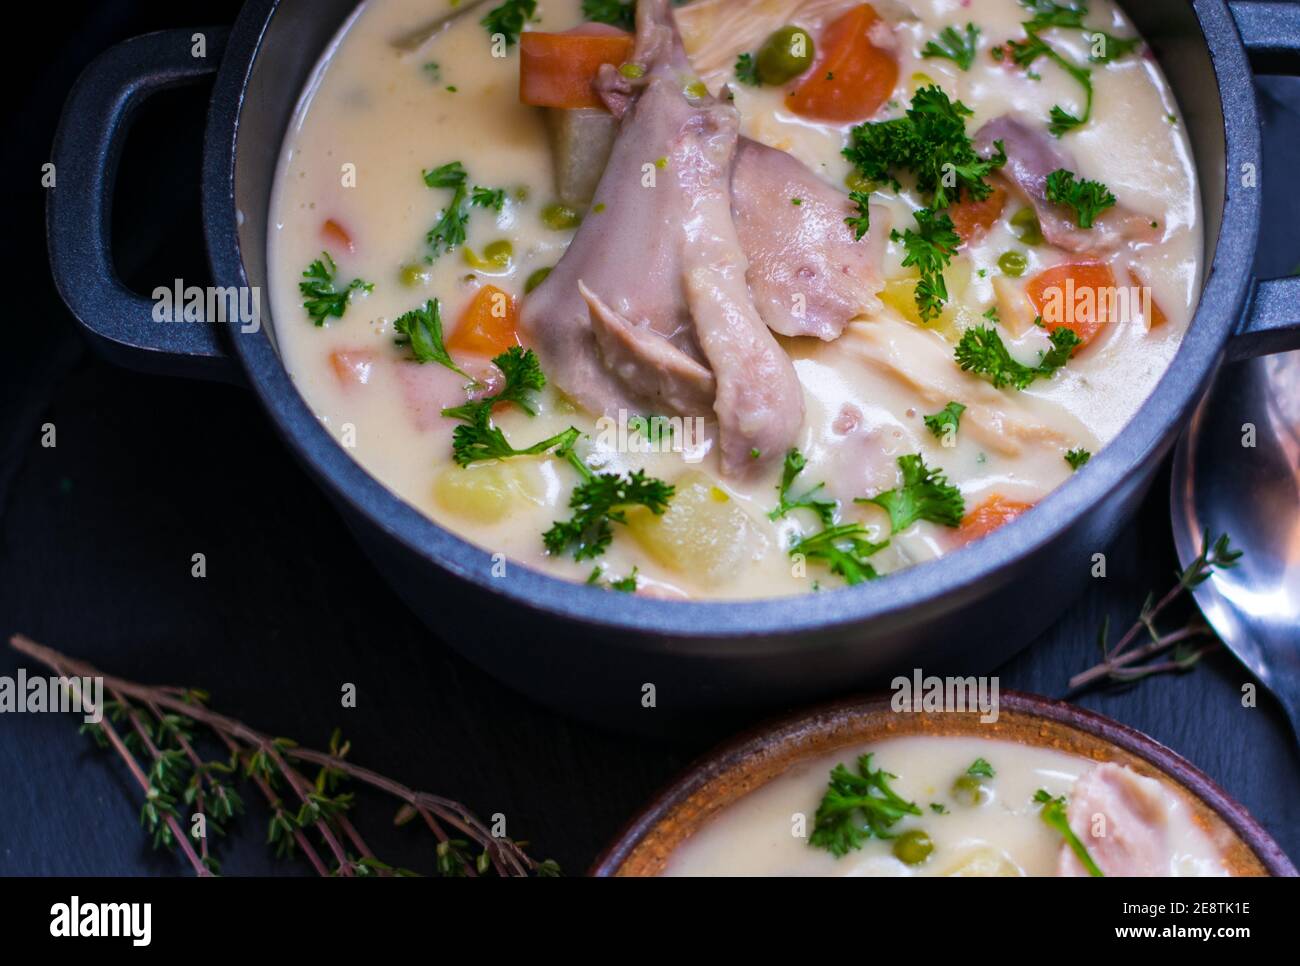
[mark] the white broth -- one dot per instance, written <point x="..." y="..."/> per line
<point x="997" y="831"/>
<point x="375" y="117"/>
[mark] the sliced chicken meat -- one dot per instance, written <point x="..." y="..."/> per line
<point x="1032" y="155"/>
<point x="1131" y="826"/>
<point x="807" y="272"/>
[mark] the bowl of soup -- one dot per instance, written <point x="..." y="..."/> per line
<point x="871" y="787"/>
<point x="711" y="355"/>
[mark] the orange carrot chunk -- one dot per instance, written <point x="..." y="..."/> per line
<point x="1075" y="295"/>
<point x="489" y="324"/>
<point x="336" y="234"/>
<point x="971" y="219"/>
<point x="852" y="77"/>
<point x="352" y="367"/>
<point x="988" y="516"/>
<point x="558" y="70"/>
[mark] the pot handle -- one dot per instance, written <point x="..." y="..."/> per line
<point x="87" y="147"/>
<point x="1271" y="322"/>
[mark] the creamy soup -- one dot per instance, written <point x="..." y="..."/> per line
<point x="852" y="285"/>
<point x="975" y="808"/>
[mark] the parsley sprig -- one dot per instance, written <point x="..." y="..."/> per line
<point x="746" y="70"/>
<point x="323" y="300"/>
<point x="420" y="330"/>
<point x="925" y="494"/>
<point x="1088" y="198"/>
<point x="857" y="806"/>
<point x="929" y="249"/>
<point x="931" y="142"/>
<point x="448" y="232"/>
<point x="1054" y="815"/>
<point x="955" y="46"/>
<point x="600" y="501"/>
<point x="795" y="463"/>
<point x="616" y="13"/>
<point x="982" y="351"/>
<point x="861" y="222"/>
<point x="946" y="422"/>
<point x="509" y="18"/>
<point x="844" y="548"/>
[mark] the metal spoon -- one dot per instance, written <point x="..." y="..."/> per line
<point x="1222" y="485"/>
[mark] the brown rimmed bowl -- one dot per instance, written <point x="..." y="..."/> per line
<point x="747" y="763"/>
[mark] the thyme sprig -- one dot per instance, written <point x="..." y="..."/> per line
<point x="1128" y="661"/>
<point x="160" y="724"/>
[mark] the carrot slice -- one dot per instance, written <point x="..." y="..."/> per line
<point x="988" y="516"/>
<point x="971" y="219"/>
<point x="489" y="324"/>
<point x="1075" y="295"/>
<point x="558" y="70"/>
<point x="352" y="367"/>
<point x="336" y="234"/>
<point x="852" y="77"/>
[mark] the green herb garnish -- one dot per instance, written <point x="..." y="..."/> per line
<point x="747" y="70"/>
<point x="1088" y="198"/>
<point x="613" y="12"/>
<point x="844" y="549"/>
<point x="946" y="422"/>
<point x="953" y="46"/>
<point x="509" y="18"/>
<point x="857" y="807"/>
<point x="421" y="331"/>
<point x="925" y="494"/>
<point x="794" y="465"/>
<point x="600" y="501"/>
<point x="323" y="300"/>
<point x="861" y="222"/>
<point x="930" y="249"/>
<point x="981" y="768"/>
<point x="1077" y="457"/>
<point x="982" y="351"/>
<point x="1054" y="814"/>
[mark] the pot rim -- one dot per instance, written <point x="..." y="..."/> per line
<point x="941" y="585"/>
<point x="825" y="717"/>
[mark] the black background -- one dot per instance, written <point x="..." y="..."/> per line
<point x="96" y="536"/>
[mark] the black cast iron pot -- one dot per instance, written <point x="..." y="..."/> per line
<point x="590" y="652"/>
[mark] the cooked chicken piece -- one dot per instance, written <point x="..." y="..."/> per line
<point x="1003" y="421"/>
<point x="807" y="272"/>
<point x="660" y="253"/>
<point x="1135" y="819"/>
<point x="647" y="363"/>
<point x="1032" y="155"/>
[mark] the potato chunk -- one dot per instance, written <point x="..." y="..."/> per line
<point x="703" y="533"/>
<point x="487" y="492"/>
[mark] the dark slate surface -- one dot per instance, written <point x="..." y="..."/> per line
<point x="96" y="537"/>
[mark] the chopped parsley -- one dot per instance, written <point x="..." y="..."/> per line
<point x="747" y="70"/>
<point x="478" y="438"/>
<point x="494" y="198"/>
<point x="981" y="768"/>
<point x="613" y="12"/>
<point x="857" y="806"/>
<point x="323" y="300"/>
<point x="982" y="351"/>
<point x="1088" y="198"/>
<point x="861" y="222"/>
<point x="925" y="494"/>
<point x="1077" y="457"/>
<point x="795" y="462"/>
<point x="930" y="250"/>
<point x="626" y="585"/>
<point x="954" y="46"/>
<point x="939" y="808"/>
<point x="946" y="421"/>
<point x="844" y="549"/>
<point x="931" y="142"/>
<point x="599" y="502"/>
<point x="421" y="331"/>
<point x="1054" y="815"/>
<point x="509" y="18"/>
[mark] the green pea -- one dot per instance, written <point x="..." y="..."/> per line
<point x="913" y="847"/>
<point x="1025" y="223"/>
<point x="1013" y="264"/>
<point x="496" y="255"/>
<point x="558" y="217"/>
<point x="631" y="71"/>
<point x="855" y="181"/>
<point x="536" y="278"/>
<point x="784" y="55"/>
<point x="414" y="275"/>
<point x="969" y="790"/>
